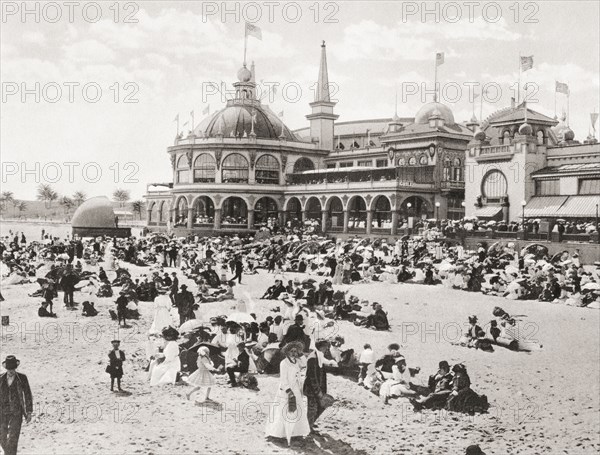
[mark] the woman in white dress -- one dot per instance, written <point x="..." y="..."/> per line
<point x="162" y="315"/>
<point x="203" y="376"/>
<point x="288" y="417"/>
<point x="164" y="369"/>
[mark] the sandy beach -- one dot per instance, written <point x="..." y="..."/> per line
<point x="543" y="402"/>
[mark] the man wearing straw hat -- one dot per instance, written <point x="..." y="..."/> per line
<point x="15" y="403"/>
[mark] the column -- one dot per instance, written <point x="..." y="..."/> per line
<point x="394" y="222"/>
<point x="283" y="217"/>
<point x="149" y="217"/>
<point x="369" y="221"/>
<point x="217" y="224"/>
<point x="346" y="220"/>
<point x="324" y="221"/>
<point x="250" y="219"/>
<point x="303" y="216"/>
<point x="190" y="218"/>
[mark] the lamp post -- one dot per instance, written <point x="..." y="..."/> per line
<point x="408" y="206"/>
<point x="523" y="204"/>
<point x="437" y="212"/>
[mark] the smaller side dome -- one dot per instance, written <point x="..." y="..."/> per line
<point x="569" y="134"/>
<point x="525" y="129"/>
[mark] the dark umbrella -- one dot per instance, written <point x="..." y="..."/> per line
<point x="212" y="348"/>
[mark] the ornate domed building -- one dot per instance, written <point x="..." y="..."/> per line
<point x="241" y="167"/>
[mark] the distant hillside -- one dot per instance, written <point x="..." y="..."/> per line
<point x="37" y="210"/>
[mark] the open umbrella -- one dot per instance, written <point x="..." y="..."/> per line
<point x="212" y="348"/>
<point x="191" y="325"/>
<point x="592" y="286"/>
<point x="240" y="318"/>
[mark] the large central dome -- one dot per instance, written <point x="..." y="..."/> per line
<point x="235" y="120"/>
<point x="430" y="108"/>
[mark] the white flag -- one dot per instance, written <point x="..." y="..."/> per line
<point x="439" y="59"/>
<point x="253" y="30"/>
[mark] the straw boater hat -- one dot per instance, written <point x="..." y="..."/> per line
<point x="11" y="362"/>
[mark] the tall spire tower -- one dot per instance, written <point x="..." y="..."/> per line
<point x="322" y="117"/>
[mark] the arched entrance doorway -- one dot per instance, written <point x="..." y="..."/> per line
<point x="382" y="213"/>
<point x="313" y="209"/>
<point x="234" y="212"/>
<point x="357" y="211"/>
<point x="416" y="207"/>
<point x="181" y="212"/>
<point x="265" y="211"/>
<point x="204" y="211"/>
<point x="335" y="214"/>
<point x="294" y="210"/>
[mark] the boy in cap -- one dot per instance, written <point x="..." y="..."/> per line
<point x="115" y="366"/>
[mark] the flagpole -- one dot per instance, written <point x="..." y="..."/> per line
<point x="568" y="99"/>
<point x="245" y="42"/>
<point x="435" y="81"/>
<point x="481" y="107"/>
<point x="192" y="120"/>
<point x="519" y="83"/>
<point x="554" y="99"/>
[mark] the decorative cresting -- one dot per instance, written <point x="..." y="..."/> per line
<point x="252" y="156"/>
<point x="173" y="159"/>
<point x="218" y="156"/>
<point x="190" y="155"/>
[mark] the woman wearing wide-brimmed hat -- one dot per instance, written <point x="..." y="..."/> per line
<point x="288" y="417"/>
<point x="164" y="369"/>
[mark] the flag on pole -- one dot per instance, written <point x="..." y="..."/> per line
<point x="176" y="119"/>
<point x="439" y="59"/>
<point x="594" y="119"/>
<point x="206" y="110"/>
<point x="561" y="87"/>
<point x="253" y="30"/>
<point x="526" y="62"/>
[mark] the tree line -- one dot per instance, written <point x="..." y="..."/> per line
<point x="48" y="195"/>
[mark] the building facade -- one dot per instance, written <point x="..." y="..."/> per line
<point x="241" y="168"/>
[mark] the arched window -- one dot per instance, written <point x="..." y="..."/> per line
<point x="457" y="171"/>
<point x="494" y="186"/>
<point x="303" y="164"/>
<point x="540" y="137"/>
<point x="506" y="138"/>
<point x="423" y="160"/>
<point x="183" y="172"/>
<point x="446" y="169"/>
<point x="204" y="169"/>
<point x="234" y="169"/>
<point x="267" y="170"/>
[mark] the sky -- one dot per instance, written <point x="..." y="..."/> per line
<point x="89" y="96"/>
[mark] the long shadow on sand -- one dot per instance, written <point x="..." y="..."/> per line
<point x="317" y="444"/>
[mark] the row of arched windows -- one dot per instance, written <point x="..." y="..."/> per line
<point x="507" y="136"/>
<point x="235" y="169"/>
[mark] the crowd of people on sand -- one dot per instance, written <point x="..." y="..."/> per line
<point x="298" y="341"/>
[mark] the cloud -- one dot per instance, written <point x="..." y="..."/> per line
<point x="88" y="51"/>
<point x="36" y="37"/>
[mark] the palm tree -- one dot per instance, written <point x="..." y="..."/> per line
<point x="79" y="197"/>
<point x="47" y="194"/>
<point x="121" y="196"/>
<point x="67" y="203"/>
<point x="22" y="206"/>
<point x="137" y="207"/>
<point x="15" y="204"/>
<point x="6" y="198"/>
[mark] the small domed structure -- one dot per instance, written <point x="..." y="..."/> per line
<point x="525" y="129"/>
<point x="244" y="74"/>
<point x="96" y="217"/>
<point x="479" y="135"/>
<point x="435" y="108"/>
<point x="568" y="134"/>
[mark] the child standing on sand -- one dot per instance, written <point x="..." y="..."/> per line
<point x="115" y="366"/>
<point x="203" y="376"/>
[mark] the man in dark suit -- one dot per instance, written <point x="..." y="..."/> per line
<point x="15" y="403"/>
<point x="295" y="332"/>
<point x="242" y="364"/>
<point x="185" y="304"/>
<point x="174" y="288"/>
<point x="315" y="384"/>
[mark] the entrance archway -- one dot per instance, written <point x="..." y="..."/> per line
<point x="382" y="213"/>
<point x="204" y="211"/>
<point x="335" y="213"/>
<point x="357" y="211"/>
<point x="416" y="207"/>
<point x="313" y="209"/>
<point x="265" y="211"/>
<point x="294" y="209"/>
<point x="234" y="212"/>
<point x="181" y="212"/>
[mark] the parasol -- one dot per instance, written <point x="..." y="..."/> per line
<point x="592" y="286"/>
<point x="212" y="348"/>
<point x="240" y="318"/>
<point x="191" y="325"/>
